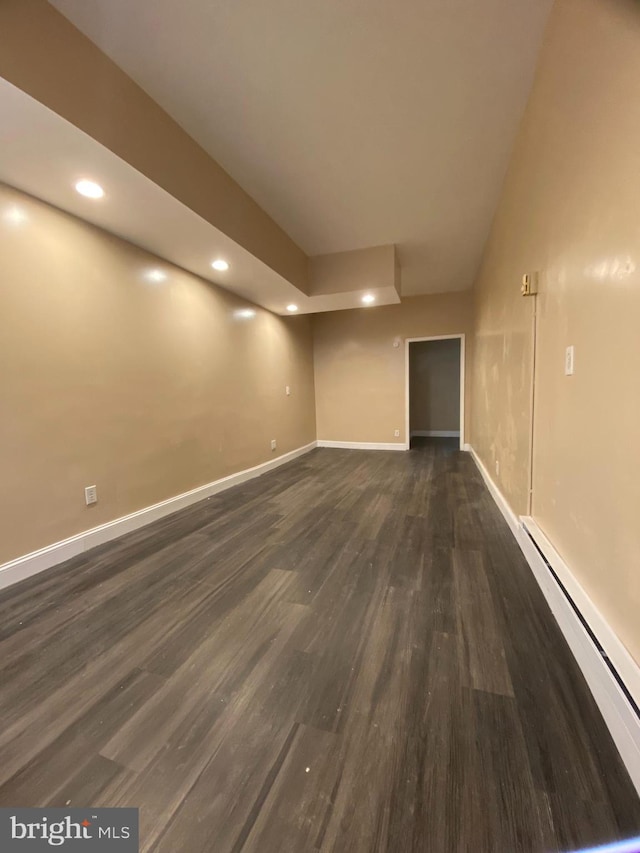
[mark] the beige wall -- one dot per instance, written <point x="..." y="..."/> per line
<point x="360" y="375"/>
<point x="570" y="208"/>
<point x="146" y="390"/>
<point x="43" y="54"/>
<point x="434" y="385"/>
<point x="360" y="269"/>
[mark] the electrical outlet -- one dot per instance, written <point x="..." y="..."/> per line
<point x="273" y="444"/>
<point x="91" y="495"/>
<point x="568" y="361"/>
<point x="287" y="390"/>
<point x="497" y="467"/>
<point x="396" y="432"/>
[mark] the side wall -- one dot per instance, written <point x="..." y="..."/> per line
<point x="360" y="374"/>
<point x="570" y="209"/>
<point x="145" y="389"/>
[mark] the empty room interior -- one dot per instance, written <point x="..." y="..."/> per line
<point x="319" y="471"/>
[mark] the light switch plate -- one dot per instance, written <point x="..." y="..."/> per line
<point x="568" y="362"/>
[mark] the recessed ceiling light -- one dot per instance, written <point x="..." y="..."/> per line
<point x="368" y="298"/>
<point x="245" y="313"/>
<point x="292" y="308"/>
<point x="155" y="275"/>
<point x="15" y="216"/>
<point x="89" y="188"/>
<point x="220" y="265"/>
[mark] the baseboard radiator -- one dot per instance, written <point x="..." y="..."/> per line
<point x="612" y="675"/>
<point x="596" y="643"/>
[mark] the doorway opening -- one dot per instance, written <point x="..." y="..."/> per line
<point x="434" y="390"/>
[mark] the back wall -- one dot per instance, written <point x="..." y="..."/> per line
<point x="360" y="375"/>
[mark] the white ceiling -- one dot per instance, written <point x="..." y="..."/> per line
<point x="353" y="123"/>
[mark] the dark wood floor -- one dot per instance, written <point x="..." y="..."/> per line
<point x="346" y="654"/>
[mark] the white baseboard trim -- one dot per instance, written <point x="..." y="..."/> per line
<point x="509" y="515"/>
<point x="45" y="558"/>
<point x="362" y="445"/>
<point x="616" y="709"/>
<point x="435" y="433"/>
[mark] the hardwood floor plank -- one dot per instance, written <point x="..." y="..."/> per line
<point x="291" y="816"/>
<point x="42" y="722"/>
<point x="53" y="768"/>
<point x="219" y="666"/>
<point x="86" y="786"/>
<point x="214" y="787"/>
<point x="438" y="594"/>
<point x="516" y="821"/>
<point x="481" y="643"/>
<point x="446" y="794"/>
